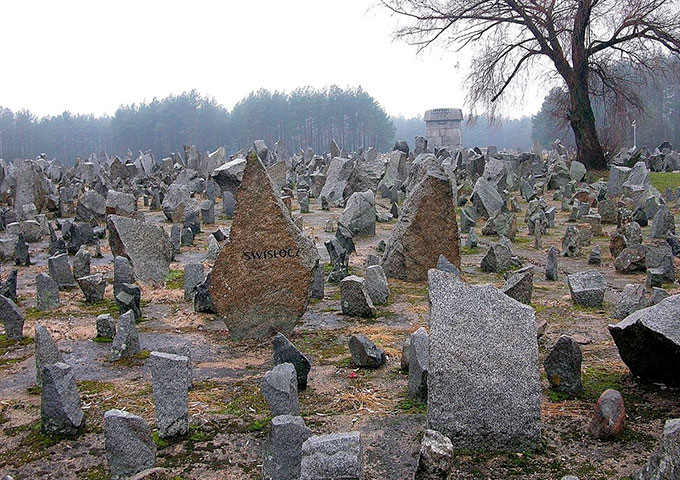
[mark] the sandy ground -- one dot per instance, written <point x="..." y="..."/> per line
<point x="229" y="417"/>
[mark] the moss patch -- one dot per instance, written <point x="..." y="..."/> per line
<point x="663" y="180"/>
<point x="175" y="279"/>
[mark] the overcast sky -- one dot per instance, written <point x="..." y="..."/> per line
<point x="92" y="56"/>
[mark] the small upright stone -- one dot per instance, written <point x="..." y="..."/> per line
<point x="93" y="287"/>
<point x="609" y="417"/>
<point x="436" y="457"/>
<point x="336" y="456"/>
<point x="129" y="446"/>
<point x="129" y="298"/>
<point x="551" y="265"/>
<point x="354" y="298"/>
<point x="595" y="257"/>
<point x="106" y="326"/>
<point x="12" y="319"/>
<point x="60" y="271"/>
<point x="126" y="341"/>
<point x="122" y="273"/>
<point x="418" y="364"/>
<point x="285" y="352"/>
<point x="365" y="353"/>
<point x="563" y="366"/>
<point x="46" y="352"/>
<point x="376" y="285"/>
<point x="279" y="388"/>
<point x="81" y="263"/>
<point x="169" y="375"/>
<point x="21" y="255"/>
<point x="60" y="411"/>
<point x="444" y="265"/>
<point x="193" y="275"/>
<point x="282" y="452"/>
<point x="520" y="285"/>
<point x="46" y="292"/>
<point x="498" y="259"/>
<point x="587" y="288"/>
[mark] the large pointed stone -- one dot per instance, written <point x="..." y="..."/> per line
<point x="261" y="280"/>
<point x="426" y="228"/>
<point x="46" y="352"/>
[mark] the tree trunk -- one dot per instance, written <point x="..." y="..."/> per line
<point x="582" y="120"/>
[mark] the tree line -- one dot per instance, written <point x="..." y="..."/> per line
<point x="305" y="117"/>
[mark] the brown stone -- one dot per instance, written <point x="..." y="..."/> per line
<point x="262" y="278"/>
<point x="609" y="418"/>
<point x="426" y="229"/>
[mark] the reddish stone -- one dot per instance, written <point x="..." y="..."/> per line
<point x="609" y="418"/>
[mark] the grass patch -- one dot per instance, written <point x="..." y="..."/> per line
<point x="259" y="425"/>
<point x="469" y="251"/>
<point x="32" y="447"/>
<point x="135" y="360"/>
<point x="557" y="397"/>
<point x="102" y="340"/>
<point x="175" y="279"/>
<point x="95" y="473"/>
<point x="520" y="240"/>
<point x="663" y="180"/>
<point x="596" y="380"/>
<point x="324" y="345"/>
<point x="34" y="390"/>
<point x="409" y="405"/>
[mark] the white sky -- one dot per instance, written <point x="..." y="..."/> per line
<point x="92" y="56"/>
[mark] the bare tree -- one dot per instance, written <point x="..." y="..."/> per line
<point x="579" y="41"/>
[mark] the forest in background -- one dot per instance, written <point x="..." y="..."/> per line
<point x="308" y="117"/>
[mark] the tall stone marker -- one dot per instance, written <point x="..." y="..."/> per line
<point x="262" y="278"/>
<point x="426" y="228"/>
<point x="483" y="384"/>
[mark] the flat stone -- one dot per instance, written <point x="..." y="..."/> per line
<point x="279" y="388"/>
<point x="282" y="451"/>
<point x="483" y="381"/>
<point x="93" y="287"/>
<point x="169" y="374"/>
<point x="286" y="352"/>
<point x="419" y="345"/>
<point x="60" y="271"/>
<point x="12" y="319"/>
<point x="335" y="456"/>
<point x="129" y="446"/>
<point x="145" y="244"/>
<point x="60" y="410"/>
<point x="376" y="285"/>
<point x="193" y="275"/>
<point x="354" y="298"/>
<point x="126" y="341"/>
<point x="46" y="352"/>
<point x="46" y="292"/>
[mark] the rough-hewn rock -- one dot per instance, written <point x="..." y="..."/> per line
<point x="483" y="382"/>
<point x="261" y="280"/>
<point x="649" y="341"/>
<point x="146" y="245"/>
<point x="425" y="229"/>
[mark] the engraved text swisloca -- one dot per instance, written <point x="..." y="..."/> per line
<point x="271" y="254"/>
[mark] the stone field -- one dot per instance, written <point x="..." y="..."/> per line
<point x="157" y="368"/>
